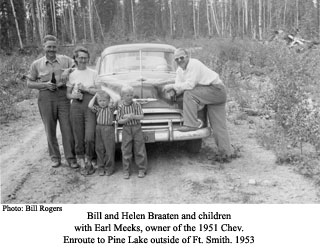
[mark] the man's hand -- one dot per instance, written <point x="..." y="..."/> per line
<point x="179" y="92"/>
<point x="65" y="75"/>
<point x="168" y="87"/>
<point x="51" y="86"/>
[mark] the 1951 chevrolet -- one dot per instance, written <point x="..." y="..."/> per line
<point x="147" y="68"/>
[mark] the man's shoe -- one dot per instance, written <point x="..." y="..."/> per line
<point x="109" y="172"/>
<point x="55" y="164"/>
<point x="126" y="175"/>
<point x="141" y="174"/>
<point x="101" y="171"/>
<point x="187" y="129"/>
<point x="82" y="163"/>
<point x="74" y="165"/>
<point x="90" y="169"/>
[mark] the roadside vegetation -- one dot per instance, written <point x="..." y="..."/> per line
<point x="271" y="87"/>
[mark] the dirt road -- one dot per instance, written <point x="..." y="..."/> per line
<point x="174" y="176"/>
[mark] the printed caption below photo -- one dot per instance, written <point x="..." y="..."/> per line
<point x="125" y="228"/>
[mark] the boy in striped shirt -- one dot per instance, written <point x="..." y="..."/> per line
<point x="129" y="114"/>
<point x="105" y="135"/>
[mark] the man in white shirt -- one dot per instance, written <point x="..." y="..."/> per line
<point x="201" y="86"/>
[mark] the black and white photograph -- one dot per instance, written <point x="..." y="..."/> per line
<point x="159" y="102"/>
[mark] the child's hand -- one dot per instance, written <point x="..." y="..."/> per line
<point x="94" y="109"/>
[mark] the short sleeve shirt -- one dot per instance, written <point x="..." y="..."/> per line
<point x="134" y="108"/>
<point x="104" y="115"/>
<point x="86" y="77"/>
<point x="42" y="69"/>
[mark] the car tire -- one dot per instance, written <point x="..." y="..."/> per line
<point x="194" y="146"/>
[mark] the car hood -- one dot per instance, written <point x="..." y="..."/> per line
<point x="148" y="87"/>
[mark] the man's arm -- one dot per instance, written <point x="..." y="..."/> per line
<point x="66" y="72"/>
<point x="181" y="85"/>
<point x="34" y="83"/>
<point x="190" y="80"/>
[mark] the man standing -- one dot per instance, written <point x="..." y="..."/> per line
<point x="201" y="86"/>
<point x="45" y="75"/>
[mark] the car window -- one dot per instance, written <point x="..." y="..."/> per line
<point x="132" y="61"/>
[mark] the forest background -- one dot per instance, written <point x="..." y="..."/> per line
<point x="267" y="76"/>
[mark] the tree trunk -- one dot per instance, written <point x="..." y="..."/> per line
<point x="221" y="6"/>
<point x="284" y="12"/>
<point x="239" y="18"/>
<point x="171" y="17"/>
<point x="35" y="26"/>
<point x="17" y="26"/>
<point x="208" y="18"/>
<point x="251" y="20"/>
<point x="214" y="18"/>
<point x="72" y="24"/>
<point x="133" y="23"/>
<point x="99" y="20"/>
<point x="27" y="35"/>
<point x="84" y="25"/>
<point x="230" y="19"/>
<point x="91" y="21"/>
<point x="53" y="15"/>
<point x="194" y="18"/>
<point x="40" y="19"/>
<point x="297" y="14"/>
<point x="260" y="20"/>
<point x="270" y="15"/>
<point x="198" y="17"/>
<point x="318" y="11"/>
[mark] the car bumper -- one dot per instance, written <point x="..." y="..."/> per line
<point x="168" y="134"/>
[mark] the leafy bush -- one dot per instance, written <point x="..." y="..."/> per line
<point x="13" y="85"/>
<point x="292" y="76"/>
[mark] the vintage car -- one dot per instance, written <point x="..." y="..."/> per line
<point x="147" y="68"/>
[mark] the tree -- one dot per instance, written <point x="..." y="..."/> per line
<point x="145" y="16"/>
<point x="16" y="22"/>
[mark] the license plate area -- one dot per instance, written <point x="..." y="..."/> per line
<point x="149" y="136"/>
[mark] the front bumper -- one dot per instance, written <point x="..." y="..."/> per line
<point x="166" y="134"/>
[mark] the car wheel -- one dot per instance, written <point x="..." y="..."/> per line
<point x="194" y="146"/>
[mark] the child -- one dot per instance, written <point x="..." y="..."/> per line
<point x="105" y="136"/>
<point x="129" y="114"/>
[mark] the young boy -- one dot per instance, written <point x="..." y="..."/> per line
<point x="105" y="136"/>
<point x="129" y="114"/>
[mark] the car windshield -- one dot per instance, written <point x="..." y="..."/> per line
<point x="133" y="61"/>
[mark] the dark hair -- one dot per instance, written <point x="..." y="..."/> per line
<point x="49" y="38"/>
<point x="80" y="49"/>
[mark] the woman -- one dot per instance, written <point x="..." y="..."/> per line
<point x="80" y="89"/>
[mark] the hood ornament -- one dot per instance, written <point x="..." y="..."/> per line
<point x="145" y="100"/>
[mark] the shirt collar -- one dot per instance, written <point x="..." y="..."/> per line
<point x="57" y="59"/>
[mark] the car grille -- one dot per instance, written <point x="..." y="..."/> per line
<point x="160" y="118"/>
